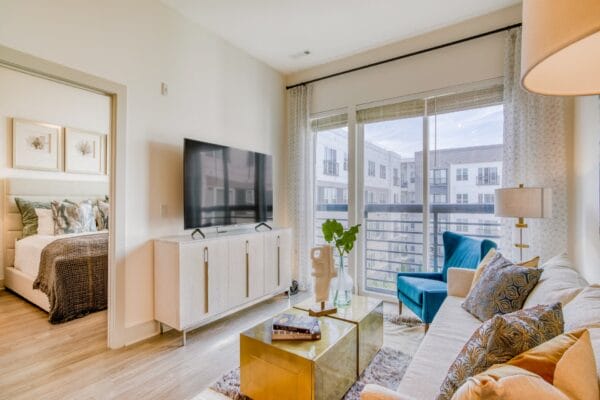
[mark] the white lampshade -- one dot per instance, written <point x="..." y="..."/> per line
<point x="523" y="202"/>
<point x="560" y="49"/>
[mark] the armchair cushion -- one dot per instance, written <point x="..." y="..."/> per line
<point x="414" y="288"/>
<point x="438" y="276"/>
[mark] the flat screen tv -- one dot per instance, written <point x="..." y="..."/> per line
<point x="225" y="186"/>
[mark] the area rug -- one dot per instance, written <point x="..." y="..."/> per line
<point x="386" y="369"/>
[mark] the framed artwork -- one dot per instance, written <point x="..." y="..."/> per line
<point x="36" y="145"/>
<point x="85" y="152"/>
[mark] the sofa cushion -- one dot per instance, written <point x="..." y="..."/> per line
<point x="559" y="283"/>
<point x="584" y="310"/>
<point x="502" y="288"/>
<point x="562" y="368"/>
<point x="500" y="339"/>
<point x="413" y="288"/>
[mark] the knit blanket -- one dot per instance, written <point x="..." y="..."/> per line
<point x="74" y="275"/>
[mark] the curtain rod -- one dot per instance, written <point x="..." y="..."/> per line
<point x="414" y="53"/>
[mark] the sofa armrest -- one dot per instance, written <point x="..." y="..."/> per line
<point x="425" y="275"/>
<point x="459" y="281"/>
<point x="376" y="392"/>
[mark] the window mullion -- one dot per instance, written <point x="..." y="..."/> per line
<point x="426" y="202"/>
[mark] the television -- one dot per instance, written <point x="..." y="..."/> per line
<point x="225" y="186"/>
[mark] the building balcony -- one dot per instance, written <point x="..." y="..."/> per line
<point x="331" y="168"/>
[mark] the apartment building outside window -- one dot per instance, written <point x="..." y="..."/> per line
<point x="382" y="171"/>
<point x="396" y="177"/>
<point x="371" y="166"/>
<point x="486" y="198"/>
<point x="438" y="198"/>
<point x="462" y="225"/>
<point x="462" y="198"/>
<point x="462" y="174"/>
<point x="330" y="165"/>
<point x="487" y="176"/>
<point x="345" y="161"/>
<point x="439" y="176"/>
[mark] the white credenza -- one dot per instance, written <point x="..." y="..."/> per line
<point x="198" y="281"/>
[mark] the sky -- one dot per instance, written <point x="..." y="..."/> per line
<point x="477" y="127"/>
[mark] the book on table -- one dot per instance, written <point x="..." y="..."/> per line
<point x="295" y="327"/>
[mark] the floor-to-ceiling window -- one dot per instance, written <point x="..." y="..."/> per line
<point x="424" y="166"/>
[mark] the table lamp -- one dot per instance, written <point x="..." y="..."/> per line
<point x="521" y="203"/>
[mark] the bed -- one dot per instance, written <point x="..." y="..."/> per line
<point x="22" y="258"/>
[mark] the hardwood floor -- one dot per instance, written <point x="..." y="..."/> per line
<point x="39" y="360"/>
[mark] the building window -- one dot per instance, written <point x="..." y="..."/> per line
<point x="345" y="161"/>
<point x="462" y="174"/>
<point x="487" y="176"/>
<point x="462" y="225"/>
<point x="396" y="177"/>
<point x="382" y="171"/>
<point x="330" y="165"/>
<point x="371" y="170"/>
<point x="486" y="198"/>
<point x="462" y="198"/>
<point x="438" y="198"/>
<point x="395" y="198"/>
<point x="438" y="177"/>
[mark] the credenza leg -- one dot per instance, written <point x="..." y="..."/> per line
<point x="183" y="338"/>
<point x="162" y="329"/>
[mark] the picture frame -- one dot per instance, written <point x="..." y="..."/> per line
<point x="36" y="145"/>
<point x="85" y="152"/>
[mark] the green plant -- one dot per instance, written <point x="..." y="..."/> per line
<point x="334" y="234"/>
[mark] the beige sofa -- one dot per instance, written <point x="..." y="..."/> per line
<point x="453" y="326"/>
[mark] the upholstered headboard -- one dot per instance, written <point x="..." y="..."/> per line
<point x="39" y="190"/>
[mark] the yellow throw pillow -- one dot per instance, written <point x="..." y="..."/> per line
<point x="561" y="368"/>
<point x="533" y="263"/>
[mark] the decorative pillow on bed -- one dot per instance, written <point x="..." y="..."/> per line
<point x="101" y="210"/>
<point x="502" y="288"/>
<point x="29" y="217"/>
<point x="501" y="338"/>
<point x="70" y="217"/>
<point x="45" y="221"/>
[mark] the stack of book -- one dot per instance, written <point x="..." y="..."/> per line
<point x="295" y="327"/>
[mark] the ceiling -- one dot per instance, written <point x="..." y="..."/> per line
<point x="279" y="31"/>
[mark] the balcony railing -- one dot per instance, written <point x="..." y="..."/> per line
<point x="394" y="236"/>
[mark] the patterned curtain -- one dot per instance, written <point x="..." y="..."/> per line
<point x="535" y="154"/>
<point x="300" y="181"/>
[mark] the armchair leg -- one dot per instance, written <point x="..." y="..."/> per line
<point x="426" y="328"/>
<point x="399" y="307"/>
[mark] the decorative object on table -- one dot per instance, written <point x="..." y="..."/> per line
<point x="36" y="145"/>
<point x="294" y="288"/>
<point x="85" y="152"/>
<point x="499" y="339"/>
<point x="521" y="203"/>
<point x="295" y="327"/>
<point x="424" y="292"/>
<point x="323" y="271"/>
<point x="343" y="240"/>
<point x="561" y="47"/>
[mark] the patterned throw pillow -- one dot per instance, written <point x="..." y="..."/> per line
<point x="500" y="339"/>
<point x="502" y="288"/>
<point x="29" y="217"/>
<point x="101" y="211"/>
<point x="70" y="217"/>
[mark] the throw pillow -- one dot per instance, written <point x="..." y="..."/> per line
<point x="45" y="222"/>
<point x="559" y="282"/>
<point x="501" y="338"/>
<point x="29" y="217"/>
<point x="87" y="215"/>
<point x="67" y="217"/>
<point x="533" y="263"/>
<point x="502" y="288"/>
<point x="584" y="310"/>
<point x="101" y="211"/>
<point x="563" y="367"/>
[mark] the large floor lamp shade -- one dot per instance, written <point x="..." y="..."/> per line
<point x="560" y="49"/>
<point x="521" y="203"/>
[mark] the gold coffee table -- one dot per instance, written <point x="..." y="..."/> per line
<point x="320" y="369"/>
<point x="367" y="314"/>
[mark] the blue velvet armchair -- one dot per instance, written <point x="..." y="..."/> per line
<point x="424" y="292"/>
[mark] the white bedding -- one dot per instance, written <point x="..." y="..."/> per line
<point x="28" y="251"/>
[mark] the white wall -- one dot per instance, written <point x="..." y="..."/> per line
<point x="216" y="93"/>
<point x="28" y="97"/>
<point x="585" y="200"/>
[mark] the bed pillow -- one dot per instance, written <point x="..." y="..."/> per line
<point x="501" y="338"/>
<point x="502" y="288"/>
<point x="45" y="222"/>
<point x="70" y="217"/>
<point x="101" y="211"/>
<point x="29" y="217"/>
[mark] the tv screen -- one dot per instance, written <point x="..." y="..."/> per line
<point x="225" y="186"/>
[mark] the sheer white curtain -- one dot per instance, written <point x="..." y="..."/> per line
<point x="300" y="180"/>
<point x="535" y="154"/>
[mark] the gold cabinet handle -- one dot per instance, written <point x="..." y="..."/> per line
<point x="278" y="261"/>
<point x="247" y="271"/>
<point x="206" y="280"/>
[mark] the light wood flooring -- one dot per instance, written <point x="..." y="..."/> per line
<point x="39" y="360"/>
